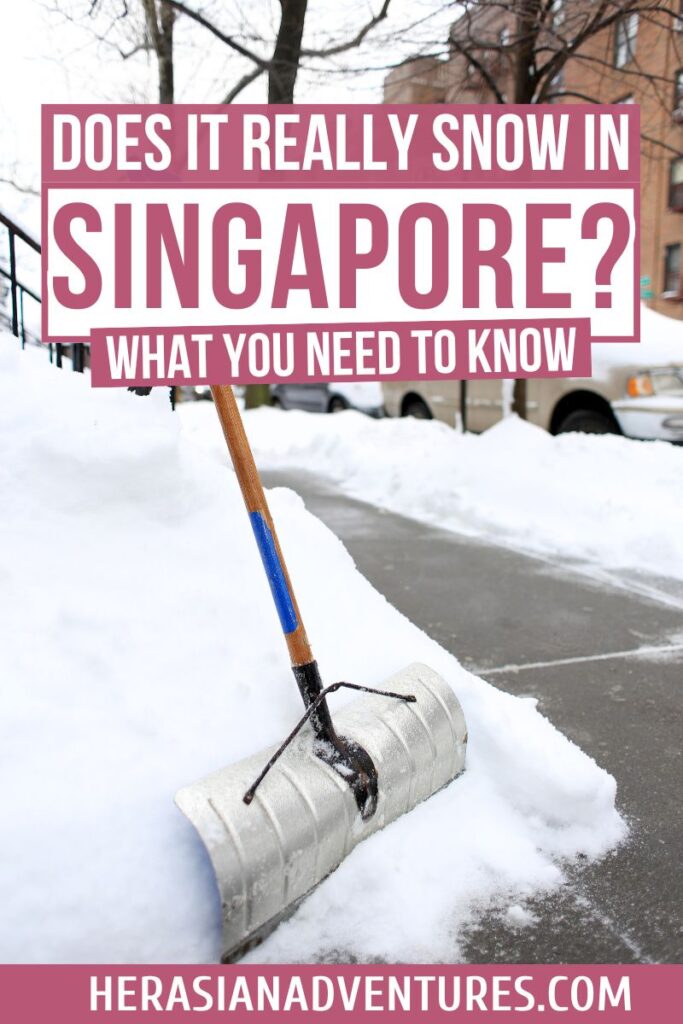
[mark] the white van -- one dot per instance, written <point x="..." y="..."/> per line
<point x="635" y="389"/>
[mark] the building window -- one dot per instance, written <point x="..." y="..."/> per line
<point x="678" y="95"/>
<point x="676" y="184"/>
<point x="558" y="12"/>
<point x="556" y="85"/>
<point x="625" y="37"/>
<point x="672" y="269"/>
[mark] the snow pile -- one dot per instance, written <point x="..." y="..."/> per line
<point x="604" y="499"/>
<point x="661" y="340"/>
<point x="140" y="651"/>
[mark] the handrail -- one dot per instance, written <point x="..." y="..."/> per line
<point x="24" y="287"/>
<point x="18" y="291"/>
<point x="19" y="231"/>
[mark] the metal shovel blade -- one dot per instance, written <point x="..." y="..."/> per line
<point x="304" y="819"/>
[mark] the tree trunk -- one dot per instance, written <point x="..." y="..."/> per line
<point x="255" y="395"/>
<point x="160" y="32"/>
<point x="284" y="64"/>
<point x="282" y="73"/>
<point x="519" y="398"/>
<point x="165" y="52"/>
<point x="527" y="28"/>
<point x="159" y="21"/>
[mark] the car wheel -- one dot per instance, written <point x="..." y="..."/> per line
<point x="418" y="409"/>
<point x="276" y="403"/>
<point x="337" y="404"/>
<point x="588" y="421"/>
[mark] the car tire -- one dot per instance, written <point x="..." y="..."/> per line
<point x="418" y="409"/>
<point x="337" y="404"/>
<point x="588" y="421"/>
<point x="276" y="403"/>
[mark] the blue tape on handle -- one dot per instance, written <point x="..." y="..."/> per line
<point x="276" y="577"/>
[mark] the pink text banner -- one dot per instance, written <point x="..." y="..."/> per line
<point x="463" y="351"/>
<point x="189" y="219"/>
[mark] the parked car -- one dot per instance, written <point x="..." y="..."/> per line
<point x="635" y="390"/>
<point x="196" y="393"/>
<point x="332" y="397"/>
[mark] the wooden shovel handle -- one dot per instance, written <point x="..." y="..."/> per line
<point x="262" y="524"/>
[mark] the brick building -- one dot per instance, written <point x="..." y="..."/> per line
<point x="638" y="59"/>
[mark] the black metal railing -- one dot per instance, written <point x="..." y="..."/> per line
<point x="20" y="291"/>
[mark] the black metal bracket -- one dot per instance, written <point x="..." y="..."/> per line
<point x="349" y="759"/>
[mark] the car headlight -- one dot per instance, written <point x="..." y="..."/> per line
<point x="655" y="382"/>
<point x="640" y="386"/>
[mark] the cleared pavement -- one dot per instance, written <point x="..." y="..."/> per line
<point x="604" y="658"/>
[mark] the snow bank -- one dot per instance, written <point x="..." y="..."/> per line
<point x="140" y="651"/>
<point x="603" y="499"/>
<point x="661" y="342"/>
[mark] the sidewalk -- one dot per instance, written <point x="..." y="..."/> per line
<point x="583" y="646"/>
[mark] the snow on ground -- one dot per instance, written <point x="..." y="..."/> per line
<point x="602" y="499"/>
<point x="140" y="651"/>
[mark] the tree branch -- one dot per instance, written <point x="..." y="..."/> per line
<point x="601" y="20"/>
<point x="153" y="30"/>
<point x="228" y="40"/>
<point x="243" y="83"/>
<point x="474" y="61"/>
<point x="333" y="51"/>
<point x="27" y="190"/>
<point x="264" y="64"/>
<point x="661" y="144"/>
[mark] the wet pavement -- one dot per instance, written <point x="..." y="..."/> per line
<point x="603" y="654"/>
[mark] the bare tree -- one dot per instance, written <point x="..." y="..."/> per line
<point x="13" y="180"/>
<point x="274" y="52"/>
<point x="284" y="64"/>
<point x="159" y="19"/>
<point x="516" y="51"/>
<point x="282" y="54"/>
<point x="281" y="67"/>
<point x="535" y="51"/>
<point x="522" y="51"/>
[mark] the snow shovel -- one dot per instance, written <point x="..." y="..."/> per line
<point x="278" y="822"/>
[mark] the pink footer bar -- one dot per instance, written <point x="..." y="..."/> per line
<point x="56" y="994"/>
